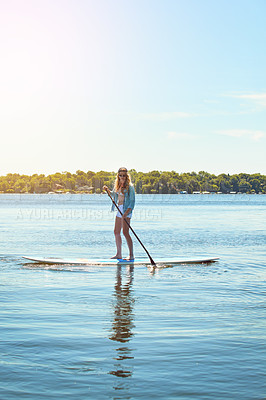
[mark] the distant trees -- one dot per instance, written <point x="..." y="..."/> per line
<point x="145" y="182"/>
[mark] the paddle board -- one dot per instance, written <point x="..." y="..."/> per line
<point x="106" y="261"/>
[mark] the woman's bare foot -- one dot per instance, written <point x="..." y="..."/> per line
<point x="116" y="256"/>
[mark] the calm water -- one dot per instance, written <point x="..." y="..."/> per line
<point x="187" y="332"/>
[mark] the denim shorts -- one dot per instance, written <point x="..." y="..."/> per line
<point x="121" y="209"/>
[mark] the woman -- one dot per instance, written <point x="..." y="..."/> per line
<point x="124" y="196"/>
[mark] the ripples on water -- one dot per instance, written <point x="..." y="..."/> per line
<point x="187" y="332"/>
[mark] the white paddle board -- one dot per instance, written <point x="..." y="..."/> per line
<point x="106" y="261"/>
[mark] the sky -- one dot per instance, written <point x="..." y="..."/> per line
<point x="147" y="84"/>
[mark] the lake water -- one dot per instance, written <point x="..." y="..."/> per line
<point x="187" y="332"/>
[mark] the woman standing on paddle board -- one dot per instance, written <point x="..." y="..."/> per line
<point x="124" y="197"/>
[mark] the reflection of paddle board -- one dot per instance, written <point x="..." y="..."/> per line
<point x="106" y="261"/>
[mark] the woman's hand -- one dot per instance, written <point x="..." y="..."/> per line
<point x="106" y="189"/>
<point x="126" y="213"/>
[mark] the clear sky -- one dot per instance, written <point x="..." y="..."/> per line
<point x="147" y="84"/>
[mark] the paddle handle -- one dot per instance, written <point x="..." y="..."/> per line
<point x="134" y="233"/>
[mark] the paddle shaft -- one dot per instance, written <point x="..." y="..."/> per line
<point x="151" y="260"/>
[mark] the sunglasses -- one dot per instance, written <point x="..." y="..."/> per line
<point x="122" y="175"/>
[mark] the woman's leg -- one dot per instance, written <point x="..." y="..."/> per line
<point x="118" y="240"/>
<point x="128" y="237"/>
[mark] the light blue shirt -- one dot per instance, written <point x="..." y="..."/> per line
<point x="129" y="199"/>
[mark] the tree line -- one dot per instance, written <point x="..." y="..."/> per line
<point x="153" y="182"/>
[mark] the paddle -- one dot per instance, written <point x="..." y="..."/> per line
<point x="151" y="260"/>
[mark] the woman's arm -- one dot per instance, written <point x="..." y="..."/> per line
<point x="131" y="197"/>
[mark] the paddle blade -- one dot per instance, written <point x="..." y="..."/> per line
<point x="152" y="262"/>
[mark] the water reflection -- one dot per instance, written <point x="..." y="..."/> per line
<point x="123" y="321"/>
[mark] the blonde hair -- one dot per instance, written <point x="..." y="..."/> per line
<point x="118" y="185"/>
